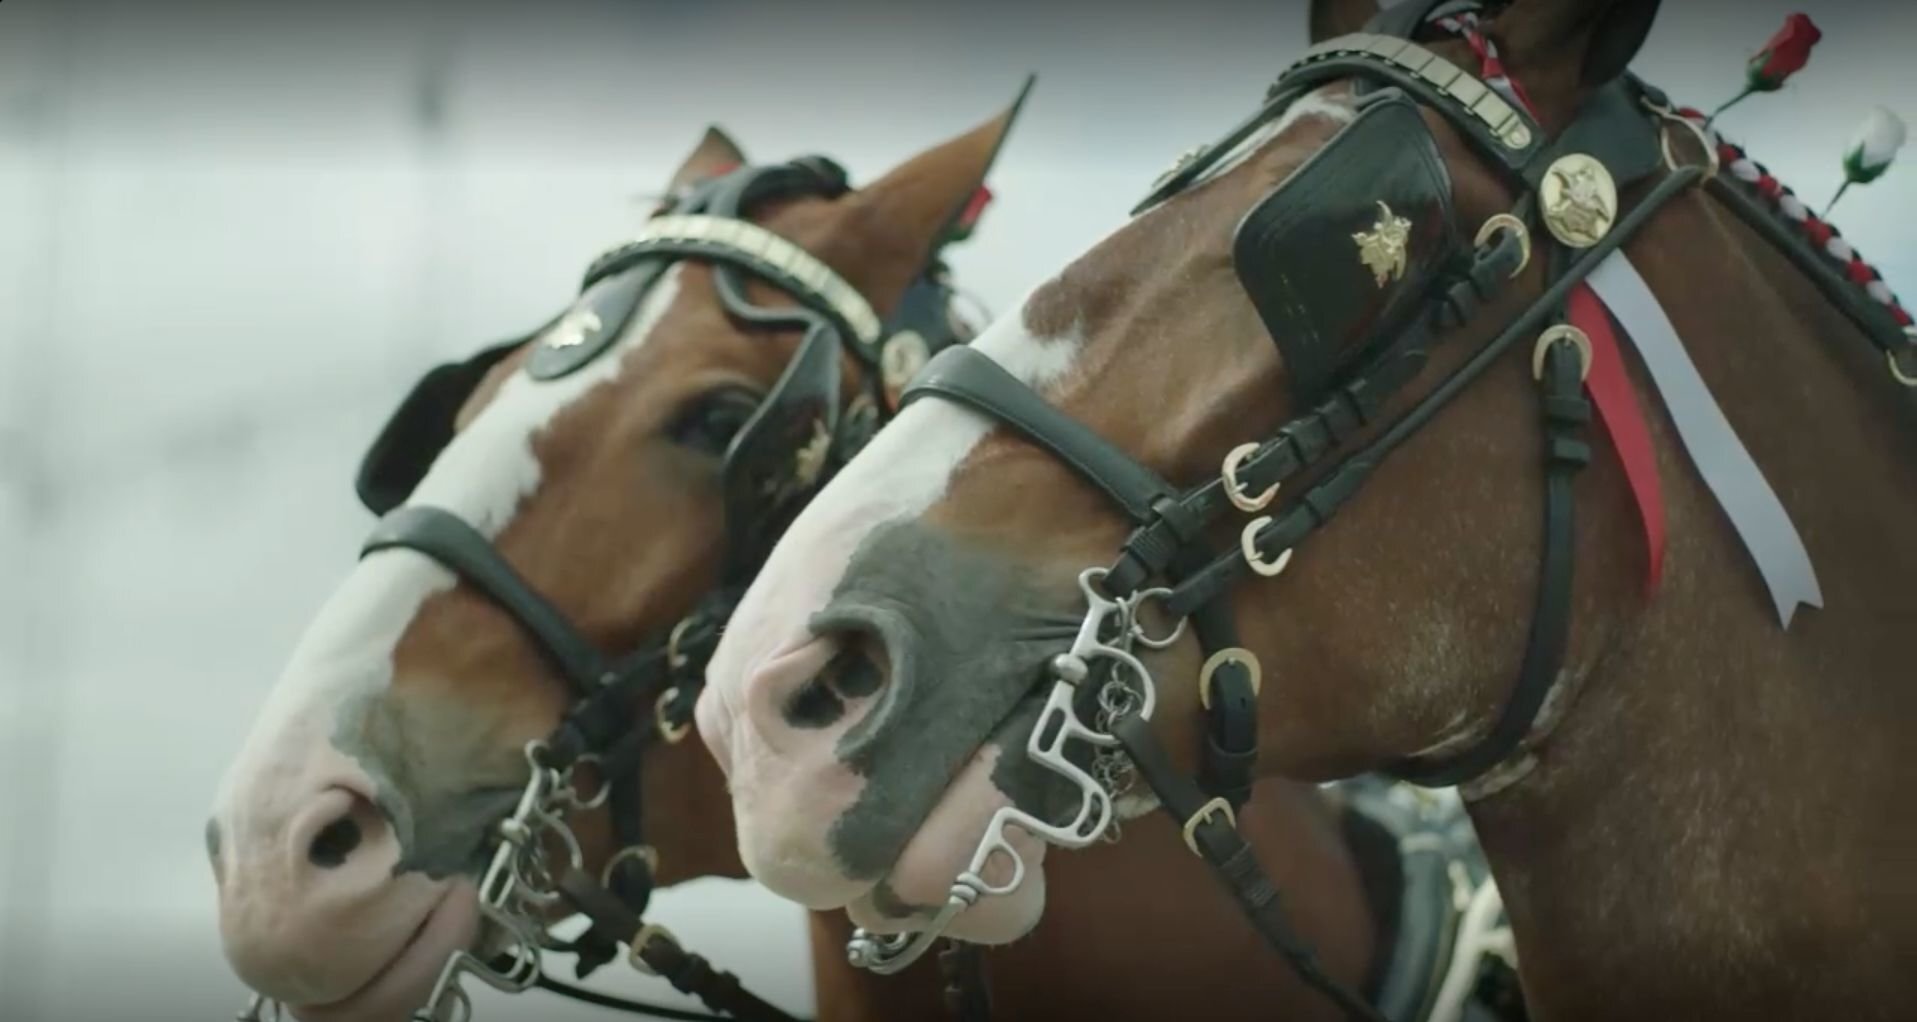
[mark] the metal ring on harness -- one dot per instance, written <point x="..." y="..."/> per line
<point x="1714" y="162"/>
<point x="1235" y="490"/>
<point x="1896" y="371"/>
<point x="570" y="794"/>
<point x="1135" y="605"/>
<point x="643" y="939"/>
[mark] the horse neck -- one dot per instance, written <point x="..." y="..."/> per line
<point x="1705" y="833"/>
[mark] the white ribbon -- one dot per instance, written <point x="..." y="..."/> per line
<point x="1733" y="477"/>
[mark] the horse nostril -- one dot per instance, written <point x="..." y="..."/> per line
<point x="814" y="705"/>
<point x="820" y="702"/>
<point x="854" y="673"/>
<point x="334" y="843"/>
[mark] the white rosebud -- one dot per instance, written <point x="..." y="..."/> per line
<point x="1875" y="146"/>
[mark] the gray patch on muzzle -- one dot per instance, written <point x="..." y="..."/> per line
<point x="968" y="635"/>
<point x="442" y="778"/>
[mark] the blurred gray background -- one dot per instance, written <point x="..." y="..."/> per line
<point x="231" y="236"/>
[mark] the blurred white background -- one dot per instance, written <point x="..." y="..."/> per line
<point x="231" y="236"/>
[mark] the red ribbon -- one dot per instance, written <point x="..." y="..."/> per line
<point x="1610" y="389"/>
<point x="1608" y="384"/>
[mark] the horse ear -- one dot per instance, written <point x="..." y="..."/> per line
<point x="1619" y="34"/>
<point x="1599" y="37"/>
<point x="1333" y="18"/>
<point x="905" y="217"/>
<point x="715" y="154"/>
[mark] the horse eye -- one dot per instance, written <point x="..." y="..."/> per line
<point x="711" y="422"/>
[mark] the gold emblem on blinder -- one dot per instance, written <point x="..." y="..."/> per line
<point x="1385" y="248"/>
<point x="903" y="355"/>
<point x="1578" y="200"/>
<point x="573" y="329"/>
<point x="808" y="463"/>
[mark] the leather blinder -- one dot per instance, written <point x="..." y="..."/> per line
<point x="781" y="454"/>
<point x="1343" y="252"/>
<point x="421" y="427"/>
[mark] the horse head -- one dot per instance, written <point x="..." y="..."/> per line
<point x="567" y="521"/>
<point x="1220" y="489"/>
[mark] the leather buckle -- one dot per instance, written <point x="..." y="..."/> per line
<point x="671" y="732"/>
<point x="1248" y="545"/>
<point x="648" y="933"/>
<point x="1511" y="225"/>
<point x="1235" y="490"/>
<point x="1205" y="813"/>
<point x="1230" y="654"/>
<point x="1562" y="332"/>
<point x="674" y="658"/>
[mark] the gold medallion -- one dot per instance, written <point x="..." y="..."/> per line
<point x="1578" y="200"/>
<point x="1384" y="249"/>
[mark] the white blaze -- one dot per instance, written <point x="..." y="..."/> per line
<point x="484" y="475"/>
<point x="904" y="471"/>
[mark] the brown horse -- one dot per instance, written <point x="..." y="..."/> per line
<point x="1699" y="824"/>
<point x="349" y="835"/>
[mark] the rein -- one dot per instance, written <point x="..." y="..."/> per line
<point x="1622" y="132"/>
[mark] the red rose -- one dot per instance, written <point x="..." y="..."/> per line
<point x="1785" y="55"/>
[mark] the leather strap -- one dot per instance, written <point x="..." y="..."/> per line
<point x="971" y="378"/>
<point x="1307" y="513"/>
<point x="1228" y="755"/>
<point x="689" y="973"/>
<point x="446" y="538"/>
<point x="637" y="1007"/>
<point x="1566" y="412"/>
<point x="967" y="997"/>
<point x="1306" y="440"/>
<point x="1211" y="832"/>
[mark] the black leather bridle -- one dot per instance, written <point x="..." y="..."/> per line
<point x="1621" y="127"/>
<point x="622" y="704"/>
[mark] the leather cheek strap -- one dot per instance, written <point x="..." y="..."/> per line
<point x="1211" y="832"/>
<point x="971" y="378"/>
<point x="689" y="973"/>
<point x="449" y="540"/>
